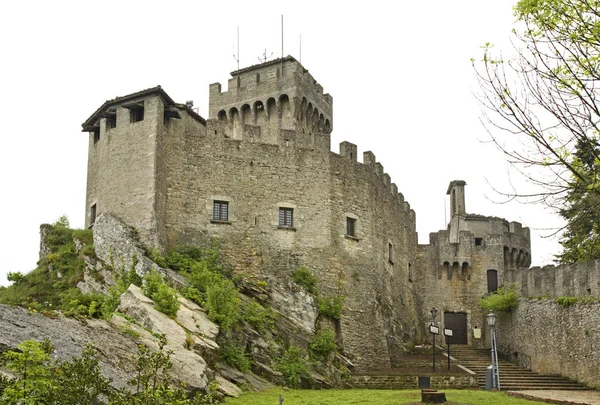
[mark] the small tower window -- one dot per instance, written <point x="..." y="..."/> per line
<point x="96" y="134"/>
<point x="478" y="241"/>
<point x="390" y="253"/>
<point x="351" y="227"/>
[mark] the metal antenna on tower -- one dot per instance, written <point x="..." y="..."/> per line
<point x="237" y="57"/>
<point x="300" y="48"/>
<point x="281" y="45"/>
<point x="265" y="56"/>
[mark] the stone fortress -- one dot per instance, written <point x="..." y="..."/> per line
<point x="258" y="176"/>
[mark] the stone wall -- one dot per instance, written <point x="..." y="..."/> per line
<point x="553" y="339"/>
<point x="579" y="280"/>
<point x="323" y="189"/>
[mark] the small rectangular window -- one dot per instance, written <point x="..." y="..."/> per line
<point x="286" y="216"/>
<point x="136" y="113"/>
<point x="221" y="211"/>
<point x="92" y="214"/>
<point x="96" y="135"/>
<point x="351" y="226"/>
<point x="478" y="241"/>
<point x="390" y="253"/>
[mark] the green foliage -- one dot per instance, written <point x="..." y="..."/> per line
<point x="40" y="380"/>
<point x="165" y="300"/>
<point x="305" y="278"/>
<point x="62" y="221"/>
<point x="294" y="366"/>
<point x="222" y="302"/>
<point x="30" y="365"/>
<point x="566" y="301"/>
<point x="79" y="381"/>
<point x="581" y="238"/>
<point x="51" y="285"/>
<point x="331" y="306"/>
<point x="234" y="353"/>
<point x="75" y="303"/>
<point x="503" y="299"/>
<point x="263" y="319"/>
<point x="15" y="277"/>
<point x="164" y="297"/>
<point x="152" y="281"/>
<point x="324" y="342"/>
<point x="547" y="97"/>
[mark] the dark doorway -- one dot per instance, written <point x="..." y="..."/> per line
<point x="492" y="280"/>
<point x="457" y="321"/>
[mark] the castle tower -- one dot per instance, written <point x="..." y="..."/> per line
<point x="131" y="139"/>
<point x="456" y="191"/>
<point x="265" y="101"/>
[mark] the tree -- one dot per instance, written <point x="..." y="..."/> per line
<point x="33" y="377"/>
<point x="546" y="98"/>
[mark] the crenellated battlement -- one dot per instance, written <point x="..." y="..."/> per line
<point x="278" y="94"/>
<point x="571" y="280"/>
<point x="348" y="151"/>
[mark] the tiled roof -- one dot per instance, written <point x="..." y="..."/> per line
<point x="89" y="123"/>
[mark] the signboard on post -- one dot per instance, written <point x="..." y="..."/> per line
<point x="434" y="329"/>
<point x="447" y="332"/>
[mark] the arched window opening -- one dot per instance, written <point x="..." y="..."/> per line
<point x="222" y="115"/>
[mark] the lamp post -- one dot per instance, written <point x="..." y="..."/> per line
<point x="491" y="320"/>
<point x="434" y="313"/>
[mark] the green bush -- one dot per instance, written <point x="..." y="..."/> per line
<point x="222" y="302"/>
<point x="15" y="277"/>
<point x="234" y="354"/>
<point x="305" y="278"/>
<point x="331" y="306"/>
<point x="164" y="297"/>
<point x="324" y="342"/>
<point x="165" y="300"/>
<point x="294" y="366"/>
<point x="566" y="301"/>
<point x="261" y="318"/>
<point x="503" y="299"/>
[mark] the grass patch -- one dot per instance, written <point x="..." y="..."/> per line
<point x="379" y="397"/>
<point x="303" y="276"/>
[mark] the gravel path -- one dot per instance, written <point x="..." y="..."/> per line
<point x="560" y="397"/>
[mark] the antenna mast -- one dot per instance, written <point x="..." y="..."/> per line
<point x="237" y="57"/>
<point x="281" y="45"/>
<point x="300" y="48"/>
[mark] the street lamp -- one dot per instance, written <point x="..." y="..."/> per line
<point x="491" y="320"/>
<point x="434" y="313"/>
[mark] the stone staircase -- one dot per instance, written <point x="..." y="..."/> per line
<point x="512" y="377"/>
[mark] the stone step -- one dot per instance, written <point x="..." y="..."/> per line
<point x="512" y="377"/>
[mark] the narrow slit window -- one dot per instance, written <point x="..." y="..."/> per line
<point x="286" y="217"/>
<point x="351" y="226"/>
<point x="391" y="253"/>
<point x="92" y="214"/>
<point x="221" y="210"/>
<point x="96" y="135"/>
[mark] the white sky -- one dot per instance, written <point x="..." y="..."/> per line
<point x="399" y="73"/>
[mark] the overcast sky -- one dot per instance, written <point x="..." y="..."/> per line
<point x="399" y="73"/>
